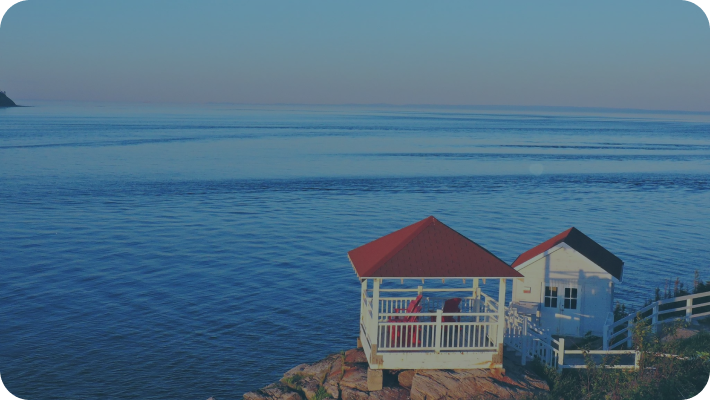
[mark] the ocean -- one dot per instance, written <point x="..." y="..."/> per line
<point x="187" y="251"/>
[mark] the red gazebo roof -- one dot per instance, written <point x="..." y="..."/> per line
<point x="427" y="249"/>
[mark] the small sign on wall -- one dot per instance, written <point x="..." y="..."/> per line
<point x="526" y="289"/>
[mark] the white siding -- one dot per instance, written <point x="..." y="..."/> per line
<point x="565" y="267"/>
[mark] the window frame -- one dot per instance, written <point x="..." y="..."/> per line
<point x="549" y="299"/>
<point x="571" y="301"/>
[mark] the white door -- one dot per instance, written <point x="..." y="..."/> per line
<point x="570" y="312"/>
<point x="561" y="307"/>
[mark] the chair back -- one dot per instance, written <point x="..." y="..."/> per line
<point x="413" y="318"/>
<point x="452" y="306"/>
<point x="414" y="304"/>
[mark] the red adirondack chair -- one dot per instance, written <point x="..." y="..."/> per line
<point x="413" y="307"/>
<point x="450" y="306"/>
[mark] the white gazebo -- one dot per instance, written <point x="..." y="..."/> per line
<point x="450" y="323"/>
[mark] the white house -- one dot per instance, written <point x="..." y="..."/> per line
<point x="568" y="284"/>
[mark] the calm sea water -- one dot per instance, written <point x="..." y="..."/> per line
<point x="165" y="252"/>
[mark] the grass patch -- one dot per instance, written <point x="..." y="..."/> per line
<point x="321" y="394"/>
<point x="294" y="381"/>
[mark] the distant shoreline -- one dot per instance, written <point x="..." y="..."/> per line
<point x="403" y="106"/>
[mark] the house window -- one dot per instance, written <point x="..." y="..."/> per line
<point x="571" y="298"/>
<point x="551" y="296"/>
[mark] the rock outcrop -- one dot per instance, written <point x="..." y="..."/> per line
<point x="344" y="376"/>
<point x="517" y="383"/>
<point x="5" y="101"/>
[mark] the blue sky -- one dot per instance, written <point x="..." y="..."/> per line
<point x="648" y="54"/>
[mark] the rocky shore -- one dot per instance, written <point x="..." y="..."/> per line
<point x="344" y="376"/>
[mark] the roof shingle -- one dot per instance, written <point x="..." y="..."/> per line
<point x="427" y="249"/>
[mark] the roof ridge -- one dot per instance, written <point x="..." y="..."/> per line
<point x="425" y="223"/>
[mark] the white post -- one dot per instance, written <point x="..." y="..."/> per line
<point x="524" y="345"/>
<point x="605" y="333"/>
<point x="636" y="360"/>
<point x="375" y="312"/>
<point x="476" y="302"/>
<point x="688" y="309"/>
<point x="654" y="318"/>
<point x="561" y="354"/>
<point x="437" y="336"/>
<point x="630" y="333"/>
<point x="501" y="312"/>
<point x="363" y="301"/>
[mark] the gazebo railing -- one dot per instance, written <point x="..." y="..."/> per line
<point x="489" y="303"/>
<point x="391" y="305"/>
<point x="475" y="327"/>
<point x="436" y="334"/>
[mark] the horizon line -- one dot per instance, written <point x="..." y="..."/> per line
<point x="403" y="105"/>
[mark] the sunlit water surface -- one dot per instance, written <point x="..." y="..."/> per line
<point x="174" y="252"/>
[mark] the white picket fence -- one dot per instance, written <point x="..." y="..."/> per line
<point x="533" y="342"/>
<point x="619" y="333"/>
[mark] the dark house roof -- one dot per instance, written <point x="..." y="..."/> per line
<point x="427" y="249"/>
<point x="584" y="245"/>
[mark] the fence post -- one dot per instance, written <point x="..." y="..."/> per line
<point x="630" y="333"/>
<point x="654" y="318"/>
<point x="605" y="339"/>
<point x="437" y="336"/>
<point x="636" y="360"/>
<point x="688" y="309"/>
<point x="524" y="344"/>
<point x="561" y="354"/>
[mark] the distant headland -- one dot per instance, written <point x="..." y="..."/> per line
<point x="5" y="101"/>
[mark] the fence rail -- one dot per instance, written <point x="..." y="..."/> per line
<point x="533" y="342"/>
<point x="696" y="306"/>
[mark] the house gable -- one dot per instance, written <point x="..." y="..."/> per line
<point x="583" y="244"/>
<point x="566" y="263"/>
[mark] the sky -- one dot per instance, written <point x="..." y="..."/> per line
<point x="644" y="54"/>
